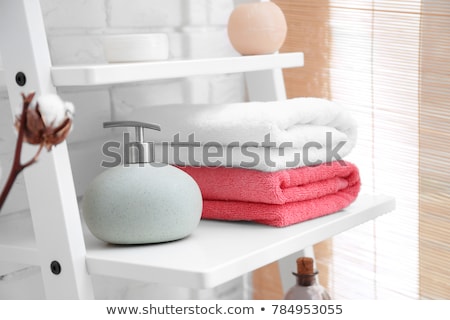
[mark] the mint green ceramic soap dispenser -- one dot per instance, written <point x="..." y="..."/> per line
<point x="141" y="201"/>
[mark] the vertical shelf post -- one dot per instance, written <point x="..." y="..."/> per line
<point x="265" y="85"/>
<point x="49" y="182"/>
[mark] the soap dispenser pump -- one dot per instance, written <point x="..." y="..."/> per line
<point x="141" y="201"/>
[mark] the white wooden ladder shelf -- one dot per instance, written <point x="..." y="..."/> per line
<point x="55" y="239"/>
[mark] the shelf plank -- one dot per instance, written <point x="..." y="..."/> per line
<point x="216" y="252"/>
<point x="219" y="251"/>
<point x="106" y="74"/>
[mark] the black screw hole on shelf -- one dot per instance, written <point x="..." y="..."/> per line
<point x="21" y="79"/>
<point x="55" y="266"/>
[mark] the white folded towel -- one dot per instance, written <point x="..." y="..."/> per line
<point x="288" y="127"/>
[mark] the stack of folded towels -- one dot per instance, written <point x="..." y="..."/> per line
<point x="276" y="163"/>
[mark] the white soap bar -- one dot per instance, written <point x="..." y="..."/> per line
<point x="136" y="47"/>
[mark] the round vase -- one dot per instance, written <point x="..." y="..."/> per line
<point x="257" y="28"/>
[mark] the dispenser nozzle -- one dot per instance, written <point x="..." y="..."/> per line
<point x="140" y="151"/>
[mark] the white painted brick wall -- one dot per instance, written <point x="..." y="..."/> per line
<point x="126" y="98"/>
<point x="207" y="42"/>
<point x="92" y="108"/>
<point x="144" y="13"/>
<point x="196" y="12"/>
<point x="219" y="11"/>
<point x="196" y="29"/>
<point x="75" y="14"/>
<point x="207" y="12"/>
<point x="72" y="49"/>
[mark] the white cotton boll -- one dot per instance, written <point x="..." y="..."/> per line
<point x="70" y="109"/>
<point x="52" y="109"/>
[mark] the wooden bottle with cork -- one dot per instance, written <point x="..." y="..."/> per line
<point x="307" y="287"/>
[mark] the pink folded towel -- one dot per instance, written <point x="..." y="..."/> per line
<point x="278" y="198"/>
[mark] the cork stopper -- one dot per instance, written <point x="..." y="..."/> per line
<point x="305" y="266"/>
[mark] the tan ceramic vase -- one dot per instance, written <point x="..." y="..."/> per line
<point x="257" y="28"/>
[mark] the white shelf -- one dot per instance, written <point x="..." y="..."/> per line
<point x="216" y="252"/>
<point x="106" y="74"/>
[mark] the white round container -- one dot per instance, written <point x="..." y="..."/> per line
<point x="136" y="47"/>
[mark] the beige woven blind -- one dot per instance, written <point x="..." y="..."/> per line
<point x="434" y="156"/>
<point x="389" y="63"/>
